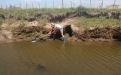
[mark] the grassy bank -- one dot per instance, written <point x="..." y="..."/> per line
<point x="31" y="11"/>
<point x="1" y="21"/>
<point x="13" y="14"/>
<point x="96" y="22"/>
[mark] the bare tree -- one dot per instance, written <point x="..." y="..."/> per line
<point x="14" y="5"/>
<point x="102" y="3"/>
<point x="114" y="2"/>
<point x="71" y="4"/>
<point x="45" y="5"/>
<point x="53" y="4"/>
<point x="20" y="5"/>
<point x="32" y="5"/>
<point x="39" y="5"/>
<point x="90" y="3"/>
<point x="1" y="6"/>
<point x="80" y="3"/>
<point x="6" y="7"/>
<point x="62" y="3"/>
<point x="26" y="5"/>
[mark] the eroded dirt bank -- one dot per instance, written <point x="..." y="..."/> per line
<point x="72" y="33"/>
<point x="9" y="33"/>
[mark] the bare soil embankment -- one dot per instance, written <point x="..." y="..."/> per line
<point x="72" y="32"/>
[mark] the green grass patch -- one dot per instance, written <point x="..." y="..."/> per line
<point x="83" y="21"/>
<point x="42" y="22"/>
<point x="21" y="24"/>
<point x="90" y="22"/>
<point x="31" y="11"/>
<point x="10" y="21"/>
<point x="1" y="22"/>
<point x="31" y="34"/>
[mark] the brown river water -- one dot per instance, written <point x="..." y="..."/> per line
<point x="57" y="58"/>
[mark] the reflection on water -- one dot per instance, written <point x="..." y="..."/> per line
<point x="58" y="58"/>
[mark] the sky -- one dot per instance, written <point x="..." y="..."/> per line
<point x="57" y="3"/>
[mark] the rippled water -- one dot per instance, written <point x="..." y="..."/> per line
<point x="57" y="58"/>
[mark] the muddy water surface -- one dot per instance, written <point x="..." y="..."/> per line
<point x="57" y="58"/>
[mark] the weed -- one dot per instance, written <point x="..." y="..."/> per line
<point x="22" y="25"/>
<point x="95" y="22"/>
<point x="31" y="34"/>
<point x="43" y="22"/>
<point x="86" y="30"/>
<point x="1" y="22"/>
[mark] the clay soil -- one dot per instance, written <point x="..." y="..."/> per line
<point x="72" y="32"/>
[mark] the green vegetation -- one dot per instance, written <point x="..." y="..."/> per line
<point x="96" y="9"/>
<point x="22" y="13"/>
<point x="42" y="20"/>
<point x="56" y="10"/>
<point x="10" y="21"/>
<point x="31" y="11"/>
<point x="31" y="34"/>
<point x="88" y="22"/>
<point x="1" y="22"/>
<point x="10" y="28"/>
<point x="22" y="25"/>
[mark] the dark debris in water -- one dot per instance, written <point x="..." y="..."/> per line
<point x="40" y="68"/>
